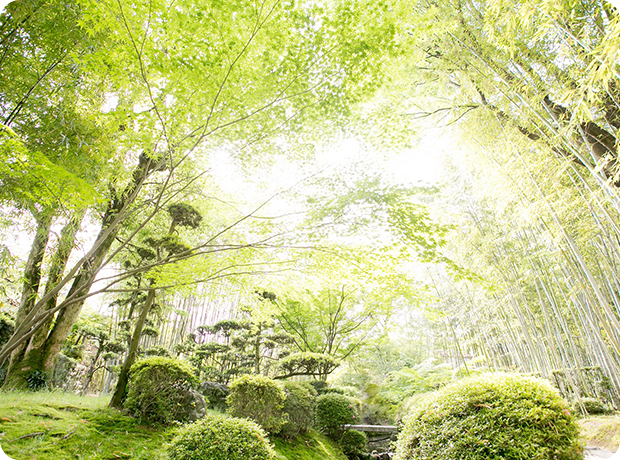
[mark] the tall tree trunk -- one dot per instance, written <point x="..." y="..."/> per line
<point x="71" y="307"/>
<point x="132" y="353"/>
<point x="55" y="273"/>
<point x="19" y="367"/>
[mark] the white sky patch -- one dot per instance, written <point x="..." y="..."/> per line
<point x="422" y="164"/>
<point x="3" y="4"/>
<point x="111" y="102"/>
<point x="419" y="165"/>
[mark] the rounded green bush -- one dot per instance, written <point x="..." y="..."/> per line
<point x="219" y="437"/>
<point x="592" y="406"/>
<point x="334" y="410"/>
<point x="258" y="398"/>
<point x="493" y="416"/>
<point x="299" y="408"/>
<point x="353" y="443"/>
<point x="157" y="389"/>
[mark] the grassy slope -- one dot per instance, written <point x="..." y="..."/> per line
<point x="59" y="426"/>
<point x="312" y="446"/>
<point x="602" y="431"/>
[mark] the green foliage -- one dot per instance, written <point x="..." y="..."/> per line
<point x="353" y="443"/>
<point x="216" y="394"/>
<point x="29" y="177"/>
<point x="234" y="347"/>
<point x="218" y="437"/>
<point x="319" y="385"/>
<point x="342" y="390"/>
<point x="491" y="416"/>
<point x="37" y="380"/>
<point x="298" y="407"/>
<point x="592" y="406"/>
<point x="258" y="398"/>
<point x="184" y="215"/>
<point x="334" y="410"/>
<point x="156" y="388"/>
<point x="330" y="322"/>
<point x="307" y="363"/>
<point x="7" y="326"/>
<point x="158" y="351"/>
<point x="89" y="326"/>
<point x="409" y="381"/>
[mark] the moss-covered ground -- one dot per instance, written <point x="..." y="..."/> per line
<point x="59" y="426"/>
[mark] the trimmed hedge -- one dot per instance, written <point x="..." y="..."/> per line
<point x="219" y="437"/>
<point x="158" y="389"/>
<point x="299" y="408"/>
<point x="258" y="398"/>
<point x="334" y="410"/>
<point x="493" y="416"/>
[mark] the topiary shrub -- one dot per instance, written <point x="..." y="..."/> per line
<point x="494" y="416"/>
<point x="218" y="437"/>
<point x="592" y="406"/>
<point x="334" y="410"/>
<point x="158" y="389"/>
<point x="258" y="398"/>
<point x="299" y="407"/>
<point x="353" y="443"/>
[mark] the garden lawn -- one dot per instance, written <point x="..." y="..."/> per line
<point x="59" y="426"/>
<point x="54" y="426"/>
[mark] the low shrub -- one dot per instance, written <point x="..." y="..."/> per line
<point x="334" y="410"/>
<point x="494" y="416"/>
<point x="258" y="398"/>
<point x="219" y="437"/>
<point x="299" y="407"/>
<point x="158" y="389"/>
<point x="592" y="406"/>
<point x="353" y="443"/>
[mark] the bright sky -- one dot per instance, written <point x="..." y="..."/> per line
<point x="415" y="166"/>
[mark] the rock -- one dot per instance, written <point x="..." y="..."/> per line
<point x="216" y="393"/>
<point x="193" y="406"/>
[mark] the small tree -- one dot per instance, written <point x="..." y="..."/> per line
<point x="181" y="215"/>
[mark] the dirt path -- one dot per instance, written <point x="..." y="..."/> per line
<point x="595" y="452"/>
